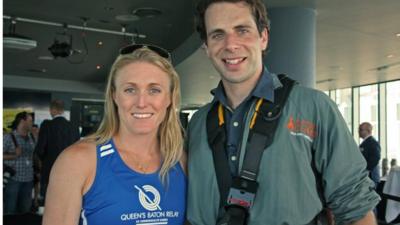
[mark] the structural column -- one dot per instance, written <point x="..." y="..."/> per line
<point x="292" y="44"/>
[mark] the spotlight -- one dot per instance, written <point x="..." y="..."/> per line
<point x="62" y="49"/>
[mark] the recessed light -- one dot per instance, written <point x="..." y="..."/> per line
<point x="335" y="68"/>
<point x="99" y="43"/>
<point x="398" y="35"/>
<point x="390" y="56"/>
<point x="98" y="67"/>
<point x="108" y="8"/>
<point x="43" y="70"/>
<point x="127" y="18"/>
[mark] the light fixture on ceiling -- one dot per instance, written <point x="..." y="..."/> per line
<point x="43" y="70"/>
<point x="127" y="18"/>
<point x="12" y="40"/>
<point x="62" y="48"/>
<point x="390" y="56"/>
<point x="398" y="35"/>
<point x="46" y="58"/>
<point x="70" y="26"/>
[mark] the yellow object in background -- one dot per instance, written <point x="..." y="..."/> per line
<point x="9" y="115"/>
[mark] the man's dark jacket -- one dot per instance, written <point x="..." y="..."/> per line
<point x="371" y="151"/>
<point x="54" y="136"/>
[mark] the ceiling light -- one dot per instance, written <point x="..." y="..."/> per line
<point x="13" y="40"/>
<point x="45" y="57"/>
<point x="19" y="42"/>
<point x="99" y="43"/>
<point x="108" y="8"/>
<point x="127" y="18"/>
<point x="335" y="68"/>
<point x="43" y="70"/>
<point x="98" y="67"/>
<point x="390" y="56"/>
<point x="398" y="35"/>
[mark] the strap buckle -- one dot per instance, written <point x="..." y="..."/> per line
<point x="242" y="192"/>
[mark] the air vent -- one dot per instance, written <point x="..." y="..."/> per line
<point x="146" y="12"/>
<point x="325" y="81"/>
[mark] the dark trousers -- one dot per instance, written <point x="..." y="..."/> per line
<point x="43" y="188"/>
<point x="17" y="197"/>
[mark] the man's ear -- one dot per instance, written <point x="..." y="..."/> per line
<point x="204" y="46"/>
<point x="264" y="39"/>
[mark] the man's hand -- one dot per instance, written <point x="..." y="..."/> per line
<point x="18" y="152"/>
<point x="12" y="156"/>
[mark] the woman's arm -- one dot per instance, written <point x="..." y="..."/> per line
<point x="368" y="219"/>
<point x="70" y="177"/>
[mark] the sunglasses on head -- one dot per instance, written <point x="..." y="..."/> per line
<point x="131" y="48"/>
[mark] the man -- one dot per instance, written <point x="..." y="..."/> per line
<point x="310" y="134"/>
<point x="371" y="150"/>
<point x="18" y="149"/>
<point x="35" y="131"/>
<point x="54" y="136"/>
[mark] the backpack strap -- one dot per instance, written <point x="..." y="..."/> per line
<point x="14" y="140"/>
<point x="237" y="194"/>
<point x="217" y="141"/>
<point x="263" y="127"/>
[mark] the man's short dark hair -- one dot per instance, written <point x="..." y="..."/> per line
<point x="20" y="116"/>
<point x="257" y="8"/>
<point x="57" y="104"/>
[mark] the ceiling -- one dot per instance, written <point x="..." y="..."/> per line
<point x="355" y="39"/>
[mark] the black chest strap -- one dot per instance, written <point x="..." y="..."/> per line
<point x="237" y="193"/>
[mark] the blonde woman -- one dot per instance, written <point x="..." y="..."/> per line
<point x="131" y="171"/>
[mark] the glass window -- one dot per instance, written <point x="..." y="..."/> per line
<point x="343" y="101"/>
<point x="393" y="120"/>
<point x="369" y="107"/>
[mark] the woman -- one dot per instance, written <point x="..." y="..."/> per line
<point x="131" y="170"/>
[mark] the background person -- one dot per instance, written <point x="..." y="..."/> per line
<point x="54" y="136"/>
<point x="371" y="150"/>
<point x="18" y="154"/>
<point x="131" y="170"/>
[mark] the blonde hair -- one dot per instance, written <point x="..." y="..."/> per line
<point x="170" y="134"/>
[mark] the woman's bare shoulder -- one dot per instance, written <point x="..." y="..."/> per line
<point x="83" y="151"/>
<point x="82" y="147"/>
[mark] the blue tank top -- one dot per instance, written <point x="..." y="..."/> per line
<point x="120" y="195"/>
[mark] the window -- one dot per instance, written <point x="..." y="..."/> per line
<point x="393" y="120"/>
<point x="369" y="107"/>
<point x="343" y="101"/>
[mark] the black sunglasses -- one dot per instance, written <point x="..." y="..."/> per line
<point x="131" y="48"/>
